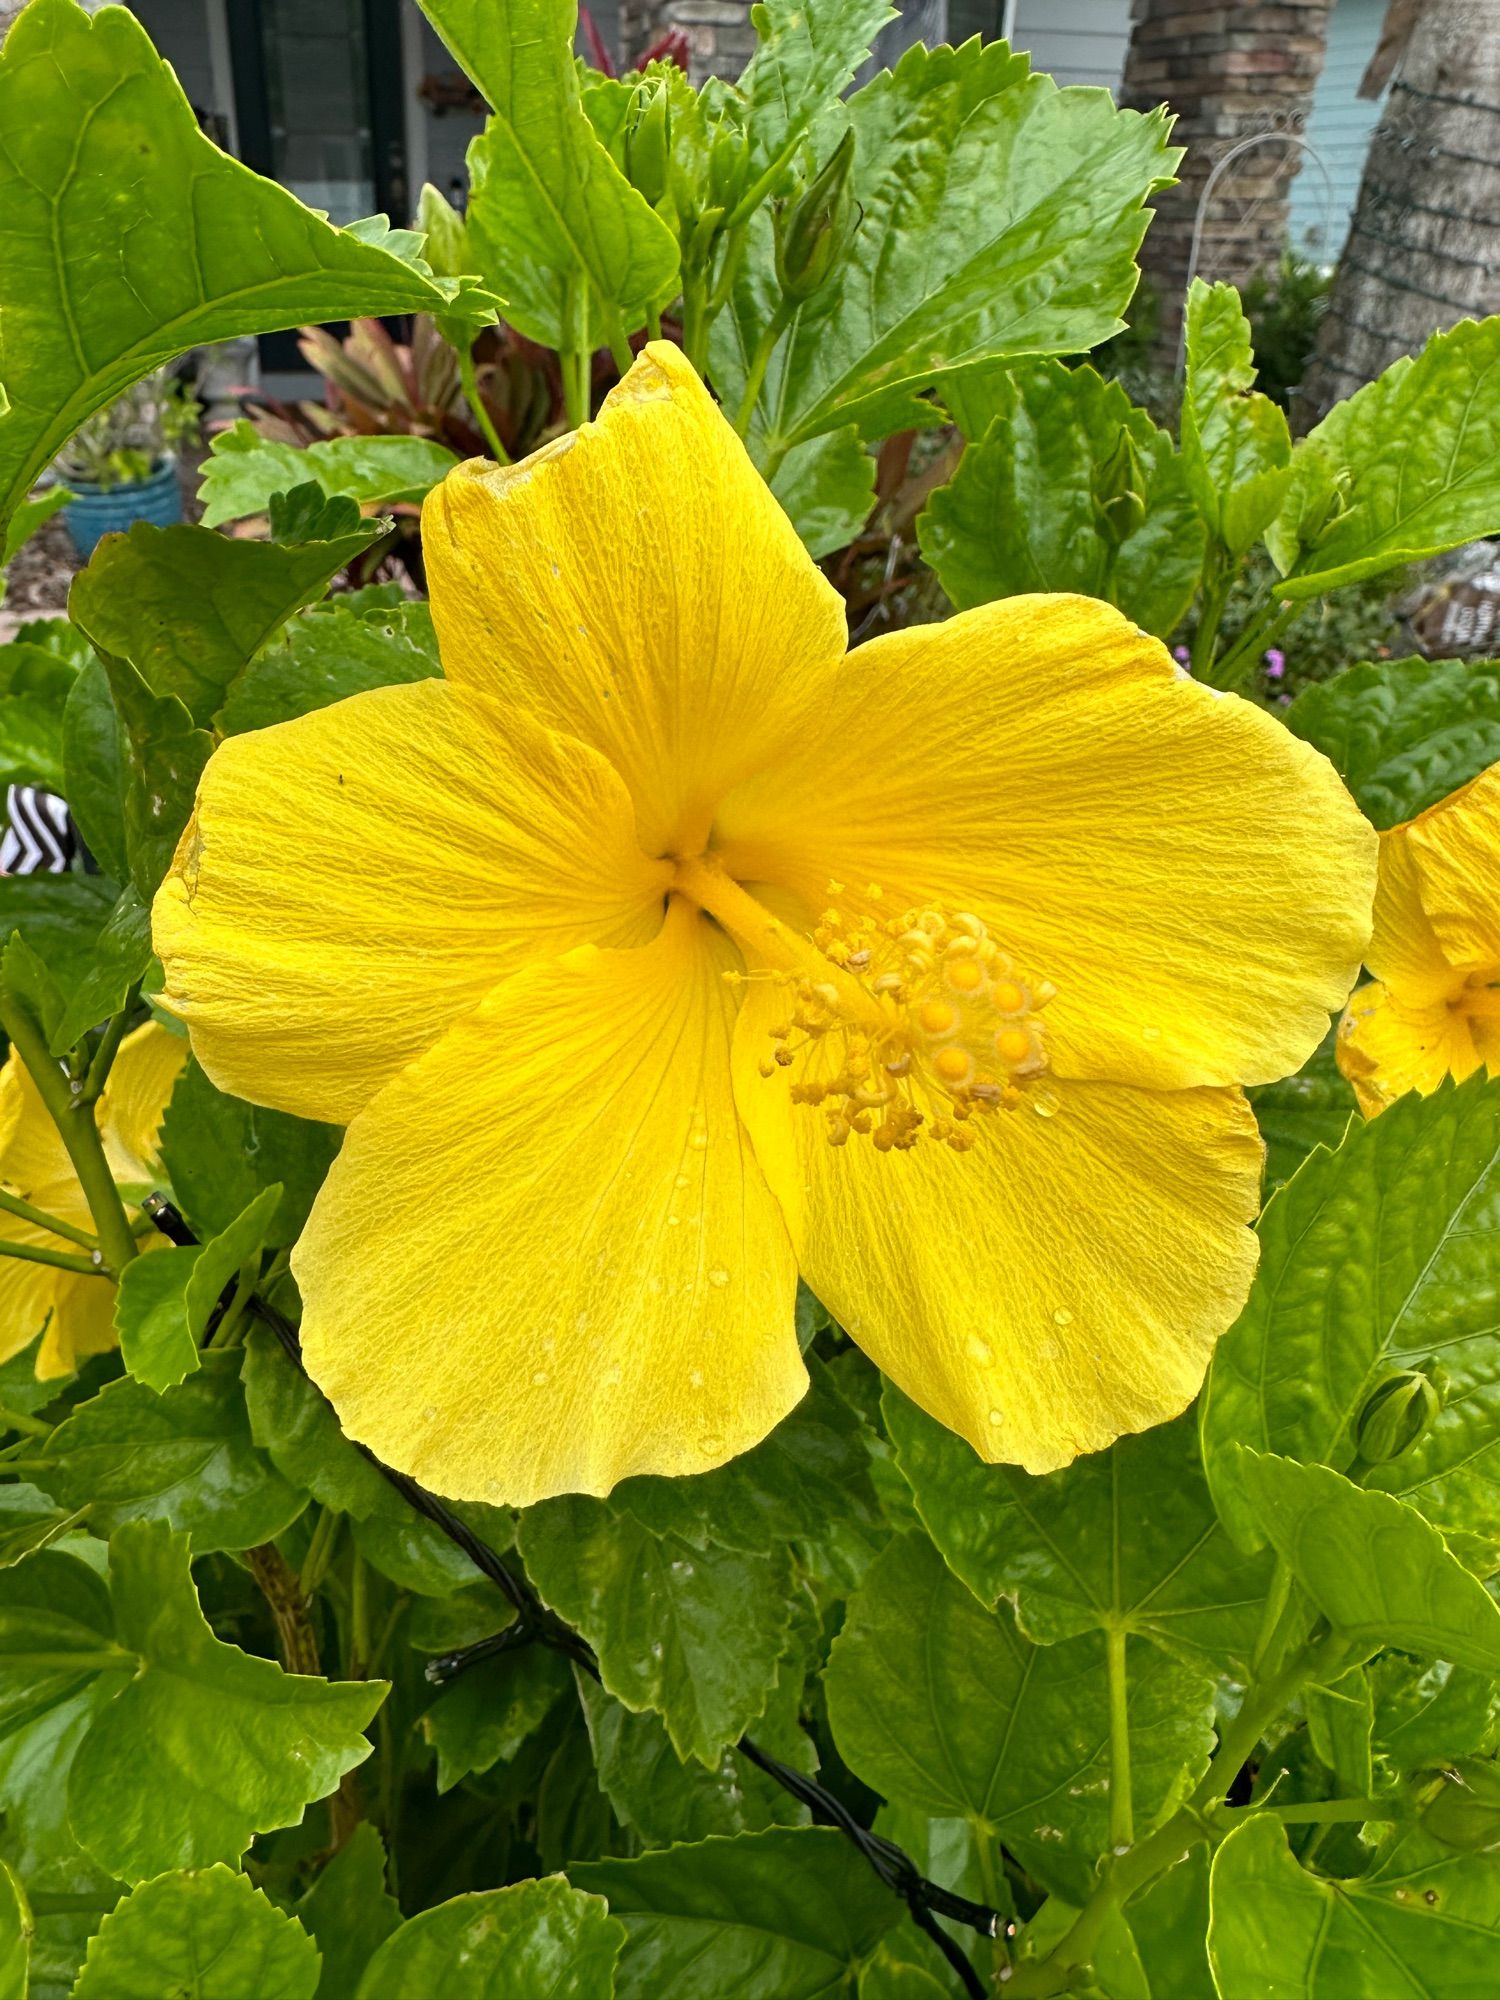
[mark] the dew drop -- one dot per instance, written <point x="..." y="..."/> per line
<point x="996" y="1417"/>
<point x="1151" y="1034"/>
<point x="1062" y="1317"/>
<point x="698" y="1141"/>
<point x="695" y="1379"/>
<point x="718" y="1276"/>
<point x="681" y="1181"/>
<point x="979" y="1350"/>
<point x="613" y="1377"/>
<point x="1044" y="1104"/>
<point x="657" y="1650"/>
<point x="673" y="1220"/>
<point x="539" y="1376"/>
<point x="710" y="1446"/>
<point x="429" y="1415"/>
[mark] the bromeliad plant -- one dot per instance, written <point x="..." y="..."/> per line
<point x="443" y="1547"/>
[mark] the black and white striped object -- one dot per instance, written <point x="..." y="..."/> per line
<point x="39" y="837"/>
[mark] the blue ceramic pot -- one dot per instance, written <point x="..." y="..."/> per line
<point x="94" y="512"/>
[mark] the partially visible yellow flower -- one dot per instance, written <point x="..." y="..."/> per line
<point x="77" y="1311"/>
<point x="598" y="942"/>
<point x="1433" y="1007"/>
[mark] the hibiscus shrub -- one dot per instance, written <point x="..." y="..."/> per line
<point x="642" y="1354"/>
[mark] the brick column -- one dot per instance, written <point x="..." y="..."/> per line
<point x="1229" y="72"/>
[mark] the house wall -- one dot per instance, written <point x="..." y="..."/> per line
<point x="1077" y="41"/>
<point x="1339" y="128"/>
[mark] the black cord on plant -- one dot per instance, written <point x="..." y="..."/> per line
<point x="536" y="1625"/>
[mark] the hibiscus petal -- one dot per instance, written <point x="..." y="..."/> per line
<point x="135" y="1100"/>
<point x="355" y="880"/>
<point x="1405" y="951"/>
<point x="1060" y="1284"/>
<point x="635" y="585"/>
<point x="546" y="1259"/>
<point x="1456" y="846"/>
<point x="1388" y="1046"/>
<point x="1194" y="880"/>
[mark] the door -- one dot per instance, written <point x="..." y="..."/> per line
<point x="318" y="99"/>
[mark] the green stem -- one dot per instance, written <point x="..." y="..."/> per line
<point x="61" y="1260"/>
<point x="17" y="1420"/>
<point x="359" y="1619"/>
<point x="1210" y="612"/>
<point x="577" y="356"/>
<point x="751" y="200"/>
<point x="1234" y="670"/>
<point x="103" y="1060"/>
<point x="729" y="270"/>
<point x="1320" y="1811"/>
<point x="695" y="319"/>
<point x="468" y="376"/>
<point x="74" y="1119"/>
<point x="319" y="1551"/>
<point x="619" y="346"/>
<point x="765" y="347"/>
<point x="1121" y="1810"/>
<point x="653" y="323"/>
<point x="13" y="1205"/>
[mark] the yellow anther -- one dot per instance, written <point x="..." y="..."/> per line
<point x="1008" y="997"/>
<point x="953" y="1065"/>
<point x="1013" y="1045"/>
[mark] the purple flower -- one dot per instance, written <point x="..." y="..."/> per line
<point x="1275" y="661"/>
<point x="1181" y="655"/>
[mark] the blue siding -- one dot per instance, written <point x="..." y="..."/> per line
<point x="1339" y="128"/>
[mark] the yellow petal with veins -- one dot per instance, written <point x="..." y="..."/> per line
<point x="1405" y="951"/>
<point x="355" y="880"/>
<point x="546" y="1259"/>
<point x="635" y="585"/>
<point x="1456" y="847"/>
<point x="1060" y="1282"/>
<point x="1194" y="881"/>
<point x="1387" y="1047"/>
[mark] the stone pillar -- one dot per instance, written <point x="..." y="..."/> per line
<point x="719" y="35"/>
<point x="1229" y="72"/>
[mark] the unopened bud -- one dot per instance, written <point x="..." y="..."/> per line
<point x="1465" y="1811"/>
<point x="1120" y="490"/>
<point x="1399" y="1413"/>
<point x="728" y="160"/>
<point x="648" y="144"/>
<point x="815" y="230"/>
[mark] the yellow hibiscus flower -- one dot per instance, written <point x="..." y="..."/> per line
<point x="1432" y="1009"/>
<point x="597" y="942"/>
<point x="77" y="1311"/>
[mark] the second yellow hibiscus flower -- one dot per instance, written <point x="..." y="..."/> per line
<point x="598" y="942"/>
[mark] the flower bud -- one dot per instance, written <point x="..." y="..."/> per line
<point x="1465" y="1811"/>
<point x="1120" y="491"/>
<point x="648" y="145"/>
<point x="1397" y="1414"/>
<point x="728" y="160"/>
<point x="815" y="230"/>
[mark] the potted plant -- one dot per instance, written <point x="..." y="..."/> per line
<point x="122" y="466"/>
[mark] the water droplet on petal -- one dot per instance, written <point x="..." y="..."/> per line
<point x="1044" y="1104"/>
<point x="996" y="1417"/>
<point x="718" y="1276"/>
<point x="695" y="1379"/>
<point x="539" y="1376"/>
<point x="1151" y="1034"/>
<point x="613" y="1377"/>
<point x="979" y="1350"/>
<point x="1062" y="1316"/>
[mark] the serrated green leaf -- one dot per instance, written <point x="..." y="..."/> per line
<point x="199" y="1934"/>
<point x="1126" y="1538"/>
<point x="185" y="1457"/>
<point x="221" y="1153"/>
<point x="162" y="756"/>
<point x="190" y="609"/>
<point x="1312" y="1108"/>
<point x="1340" y="1719"/>
<point x="1428" y="1714"/>
<point x="518" y="1943"/>
<point x="556" y="227"/>
<point x="806" y="54"/>
<point x="59" y="917"/>
<point x="31" y="747"/>
<point x="327" y="654"/>
<point x="792" y="1911"/>
<point x="1019" y="514"/>
<point x="947" y="1707"/>
<point x="1378" y="1572"/>
<point x="1373" y="1260"/>
<point x="349" y="1911"/>
<point x="692" y="1633"/>
<point x="163" y="1303"/>
<point x="245" y="469"/>
<point x="29" y="667"/>
<point x="827" y="487"/>
<point x="490" y="1710"/>
<point x="280" y="1740"/>
<point x="1017" y="209"/>
<point x="15" y="1935"/>
<point x="51" y="1604"/>
<point x="94" y="776"/>
<point x="1403" y="734"/>
<point x="1416" y="456"/>
<point x="119" y="958"/>
<point x="1422" y="1923"/>
<point x="1236" y="448"/>
<point x="111" y="271"/>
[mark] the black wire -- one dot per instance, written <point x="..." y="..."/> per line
<point x="535" y="1624"/>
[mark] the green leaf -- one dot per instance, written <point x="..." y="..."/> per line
<point x="60" y="918"/>
<point x="245" y="469"/>
<point x="1378" y="1572"/>
<point x="164" y="1302"/>
<point x="1375" y="1259"/>
<point x="327" y="654"/>
<point x="221" y="1154"/>
<point x="190" y="609"/>
<point x="692" y="1632"/>
<point x="113" y="268"/>
<point x="827" y="487"/>
<point x="199" y="1934"/>
<point x="162" y="759"/>
<point x="1000" y="218"/>
<point x="1236" y="448"/>
<point x="553" y="222"/>
<point x="28" y="516"/>
<point x="1170" y="1925"/>
<point x="120" y="956"/>
<point x="51" y="1604"/>
<point x="279" y="1740"/>
<point x="1020" y="513"/>
<point x="15" y="1935"/>
<point x="1414" y="459"/>
<point x="949" y="1708"/>
<point x="519" y="1943"/>
<point x="793" y="1911"/>
<point x="94" y="776"/>
<point x="1428" y="1714"/>
<point x="804" y="61"/>
<point x="1403" y="734"/>
<point x="349" y="1911"/>
<point x="1312" y="1108"/>
<point x="1340" y="1718"/>
<point x="31" y="748"/>
<point x="186" y="1458"/>
<point x="1422" y="1923"/>
<point x="489" y="1711"/>
<point x="1125" y="1538"/>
